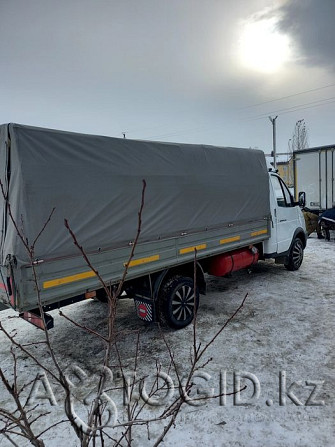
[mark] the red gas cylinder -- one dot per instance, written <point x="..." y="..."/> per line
<point x="226" y="263"/>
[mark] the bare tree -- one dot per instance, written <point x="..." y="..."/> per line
<point x="21" y="421"/>
<point x="300" y="136"/>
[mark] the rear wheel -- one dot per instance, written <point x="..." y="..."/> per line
<point x="325" y="230"/>
<point x="101" y="295"/>
<point x="176" y="302"/>
<point x="296" y="255"/>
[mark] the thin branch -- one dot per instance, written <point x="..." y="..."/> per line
<point x="223" y="327"/>
<point x="29" y="354"/>
<point x="9" y="209"/>
<point x="81" y="326"/>
<point x="10" y="440"/>
<point x="139" y="229"/>
<point x="195" y="314"/>
<point x="52" y="426"/>
<point x="43" y="228"/>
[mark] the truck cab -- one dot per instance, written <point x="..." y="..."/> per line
<point x="288" y="232"/>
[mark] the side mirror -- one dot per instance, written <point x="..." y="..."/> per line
<point x="302" y="199"/>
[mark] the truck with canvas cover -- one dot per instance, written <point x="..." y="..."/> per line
<point x="220" y="202"/>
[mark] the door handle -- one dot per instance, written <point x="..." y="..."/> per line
<point x="283" y="220"/>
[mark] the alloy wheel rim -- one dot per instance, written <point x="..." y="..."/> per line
<point x="183" y="303"/>
<point x="297" y="254"/>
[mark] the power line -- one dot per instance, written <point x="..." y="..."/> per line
<point x="321" y="102"/>
<point x="146" y="128"/>
<point x="288" y="96"/>
<point x="310" y="105"/>
<point x="284" y="111"/>
<point x="180" y="132"/>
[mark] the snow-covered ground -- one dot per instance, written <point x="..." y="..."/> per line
<point x="284" y="332"/>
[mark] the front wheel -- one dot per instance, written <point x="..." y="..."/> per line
<point x="176" y="302"/>
<point x="296" y="255"/>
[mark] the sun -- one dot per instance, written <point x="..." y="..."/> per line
<point x="262" y="47"/>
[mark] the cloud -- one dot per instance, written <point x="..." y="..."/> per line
<point x="310" y="23"/>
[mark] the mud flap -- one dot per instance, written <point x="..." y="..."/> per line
<point x="145" y="309"/>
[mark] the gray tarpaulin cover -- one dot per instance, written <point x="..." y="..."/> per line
<point x="96" y="183"/>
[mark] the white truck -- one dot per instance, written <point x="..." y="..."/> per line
<point x="314" y="175"/>
<point x="220" y="202"/>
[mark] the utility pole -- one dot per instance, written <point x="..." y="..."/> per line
<point x="290" y="163"/>
<point x="299" y="124"/>
<point x="273" y="121"/>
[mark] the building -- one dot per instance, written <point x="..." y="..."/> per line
<point x="285" y="168"/>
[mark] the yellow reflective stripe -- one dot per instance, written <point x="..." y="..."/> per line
<point x="258" y="233"/>
<point x="142" y="261"/>
<point x="230" y="239"/>
<point x="182" y="251"/>
<point x="67" y="279"/>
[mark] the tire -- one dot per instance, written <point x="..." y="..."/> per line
<point x="296" y="255"/>
<point x="176" y="302"/>
<point x="101" y="296"/>
<point x="325" y="230"/>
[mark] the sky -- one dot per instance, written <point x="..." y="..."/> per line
<point x="188" y="71"/>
